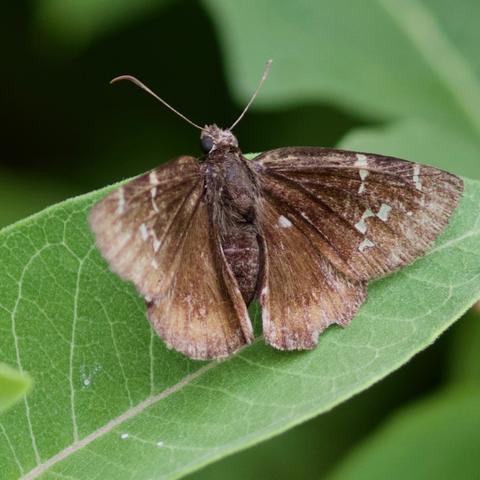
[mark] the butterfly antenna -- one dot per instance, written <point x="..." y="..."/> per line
<point x="138" y="83"/>
<point x="264" y="77"/>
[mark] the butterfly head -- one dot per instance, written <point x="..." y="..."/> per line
<point x="212" y="138"/>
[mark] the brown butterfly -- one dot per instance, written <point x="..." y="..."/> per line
<point x="301" y="228"/>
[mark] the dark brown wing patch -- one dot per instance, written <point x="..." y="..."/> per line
<point x="200" y="311"/>
<point x="154" y="231"/>
<point x="368" y="214"/>
<point x="138" y="225"/>
<point x="302" y="293"/>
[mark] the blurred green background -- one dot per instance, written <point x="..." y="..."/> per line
<point x="392" y="77"/>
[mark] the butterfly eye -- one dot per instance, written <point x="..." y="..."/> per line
<point x="206" y="143"/>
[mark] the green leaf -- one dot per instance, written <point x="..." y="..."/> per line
<point x="310" y="450"/>
<point x="382" y="58"/>
<point x="420" y="141"/>
<point x="112" y="402"/>
<point x="13" y="385"/>
<point x="436" y="438"/>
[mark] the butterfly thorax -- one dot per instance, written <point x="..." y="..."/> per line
<point x="231" y="193"/>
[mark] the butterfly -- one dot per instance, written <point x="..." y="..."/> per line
<point x="302" y="229"/>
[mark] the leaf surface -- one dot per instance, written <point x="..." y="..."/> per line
<point x="112" y="402"/>
<point x="13" y="385"/>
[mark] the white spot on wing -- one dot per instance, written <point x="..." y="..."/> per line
<point x="361" y="225"/>
<point x="384" y="212"/>
<point x="361" y="161"/>
<point x="284" y="222"/>
<point x="143" y="231"/>
<point x="124" y="436"/>
<point x="156" y="242"/>
<point x="153" y="178"/>
<point x="366" y="243"/>
<point x="416" y="177"/>
<point x="153" y="194"/>
<point x="363" y="175"/>
<point x="121" y="201"/>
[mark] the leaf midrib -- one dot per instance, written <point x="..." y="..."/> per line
<point x="112" y="424"/>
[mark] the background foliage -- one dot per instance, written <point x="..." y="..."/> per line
<point x="393" y="77"/>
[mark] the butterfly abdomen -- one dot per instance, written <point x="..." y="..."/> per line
<point x="242" y="252"/>
<point x="232" y="193"/>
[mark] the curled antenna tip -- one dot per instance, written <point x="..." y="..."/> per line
<point x="129" y="78"/>
<point x="141" y="85"/>
<point x="117" y="79"/>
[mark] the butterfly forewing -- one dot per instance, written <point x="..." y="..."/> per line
<point x="367" y="214"/>
<point x="154" y="231"/>
<point x="138" y="226"/>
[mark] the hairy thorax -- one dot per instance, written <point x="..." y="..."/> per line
<point x="232" y="193"/>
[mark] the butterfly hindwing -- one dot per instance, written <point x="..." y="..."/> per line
<point x="301" y="292"/>
<point x="200" y="312"/>
<point x="367" y="214"/>
<point x="155" y="232"/>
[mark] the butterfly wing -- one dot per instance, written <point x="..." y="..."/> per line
<point x="302" y="293"/>
<point x="155" y="232"/>
<point x="332" y="220"/>
<point x="200" y="312"/>
<point x="368" y="214"/>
